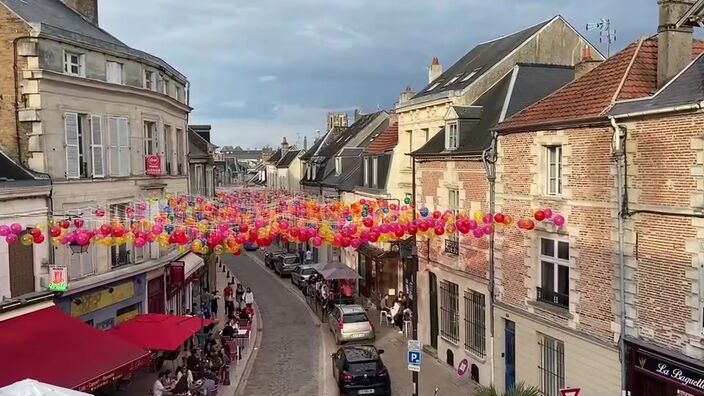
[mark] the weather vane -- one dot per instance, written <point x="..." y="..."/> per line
<point x="606" y="34"/>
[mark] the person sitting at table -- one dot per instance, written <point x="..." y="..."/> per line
<point x="230" y="329"/>
<point x="347" y="291"/>
<point x="384" y="304"/>
<point x="193" y="360"/>
<point x="250" y="311"/>
<point x="397" y="315"/>
<point x="243" y="315"/>
<point x="182" y="386"/>
<point x="162" y="386"/>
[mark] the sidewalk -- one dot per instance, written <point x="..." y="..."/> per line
<point x="142" y="381"/>
<point x="433" y="372"/>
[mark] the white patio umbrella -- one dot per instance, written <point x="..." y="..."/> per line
<point x="30" y="387"/>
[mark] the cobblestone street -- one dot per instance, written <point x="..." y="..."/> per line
<point x="287" y="361"/>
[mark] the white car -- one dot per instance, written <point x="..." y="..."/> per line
<point x="350" y="323"/>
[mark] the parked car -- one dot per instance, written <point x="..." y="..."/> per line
<point x="300" y="275"/>
<point x="350" y="323"/>
<point x="359" y="370"/>
<point x="286" y="263"/>
<point x="273" y="254"/>
<point x="250" y="246"/>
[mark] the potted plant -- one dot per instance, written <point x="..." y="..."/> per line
<point x="520" y="390"/>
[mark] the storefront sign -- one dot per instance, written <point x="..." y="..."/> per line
<point x="114" y="375"/>
<point x="101" y="299"/>
<point x="660" y="366"/>
<point x="176" y="277"/>
<point x="58" y="279"/>
<point x="152" y="164"/>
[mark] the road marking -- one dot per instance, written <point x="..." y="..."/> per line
<point x="322" y="381"/>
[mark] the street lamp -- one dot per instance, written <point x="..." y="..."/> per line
<point x="489" y="157"/>
<point x="76" y="248"/>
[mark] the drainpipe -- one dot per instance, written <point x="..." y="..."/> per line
<point x="619" y="154"/>
<point x="489" y="159"/>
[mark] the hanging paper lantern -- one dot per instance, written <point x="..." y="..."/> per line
<point x="488" y="218"/>
<point x="539" y="215"/>
<point x="407" y="200"/>
<point x="16" y="228"/>
<point x="478" y="233"/>
<point x="26" y="240"/>
<point x="548" y="213"/>
<point x="499" y="218"/>
<point x="559" y="220"/>
<point x="4" y="230"/>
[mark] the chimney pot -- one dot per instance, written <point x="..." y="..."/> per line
<point x="435" y="70"/>
<point x="587" y="64"/>
<point x="586" y="54"/>
<point x="406" y="95"/>
<point x="86" y="8"/>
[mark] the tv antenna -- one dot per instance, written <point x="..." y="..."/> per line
<point x="606" y="34"/>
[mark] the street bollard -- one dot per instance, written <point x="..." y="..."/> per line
<point x="223" y="269"/>
<point x="228" y="273"/>
<point x="232" y="279"/>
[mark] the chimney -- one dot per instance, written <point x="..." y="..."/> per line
<point x="284" y="147"/>
<point x="87" y="8"/>
<point x="587" y="64"/>
<point x="674" y="44"/>
<point x="435" y="70"/>
<point x="357" y="114"/>
<point x="305" y="143"/>
<point x="406" y="95"/>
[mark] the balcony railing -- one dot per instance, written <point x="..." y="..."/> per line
<point x="452" y="246"/>
<point x="553" y="298"/>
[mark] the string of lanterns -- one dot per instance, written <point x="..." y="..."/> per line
<point x="232" y="219"/>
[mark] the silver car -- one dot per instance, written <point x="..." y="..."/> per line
<point x="300" y="275"/>
<point x="350" y="323"/>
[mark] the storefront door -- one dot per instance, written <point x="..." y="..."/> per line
<point x="433" y="299"/>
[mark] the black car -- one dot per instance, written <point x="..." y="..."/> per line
<point x="359" y="370"/>
<point x="286" y="263"/>
<point x="272" y="255"/>
<point x="250" y="246"/>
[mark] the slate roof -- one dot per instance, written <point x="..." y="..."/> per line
<point x="686" y="88"/>
<point x="198" y="147"/>
<point x="287" y="159"/>
<point x="532" y="83"/>
<point x="591" y="96"/>
<point x="14" y="175"/>
<point x="54" y="18"/>
<point x="386" y="141"/>
<point x="311" y="151"/>
<point x="480" y="59"/>
<point x="275" y="157"/>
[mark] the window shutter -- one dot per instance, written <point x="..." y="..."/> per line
<point x="73" y="166"/>
<point x="123" y="142"/>
<point x="113" y="147"/>
<point x="96" y="146"/>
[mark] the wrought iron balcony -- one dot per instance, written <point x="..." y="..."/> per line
<point x="553" y="298"/>
<point x="452" y="246"/>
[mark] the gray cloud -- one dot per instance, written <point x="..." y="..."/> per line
<point x="266" y="69"/>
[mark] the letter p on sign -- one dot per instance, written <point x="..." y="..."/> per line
<point x="569" y="391"/>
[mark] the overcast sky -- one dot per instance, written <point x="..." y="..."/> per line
<point x="264" y="69"/>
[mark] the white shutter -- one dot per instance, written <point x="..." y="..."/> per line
<point x="73" y="153"/>
<point x="113" y="148"/>
<point x="96" y="146"/>
<point x="123" y="142"/>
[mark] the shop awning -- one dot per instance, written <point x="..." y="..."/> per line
<point x="49" y="346"/>
<point x="191" y="263"/>
<point x="159" y="332"/>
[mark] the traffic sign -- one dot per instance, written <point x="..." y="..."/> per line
<point x="569" y="391"/>
<point x="462" y="367"/>
<point x="414" y="355"/>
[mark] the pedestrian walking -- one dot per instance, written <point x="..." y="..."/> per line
<point x="249" y="298"/>
<point x="229" y="294"/>
<point x="240" y="293"/>
<point x="309" y="256"/>
<point x="214" y="303"/>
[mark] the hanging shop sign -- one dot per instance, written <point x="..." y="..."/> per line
<point x="152" y="164"/>
<point x="58" y="279"/>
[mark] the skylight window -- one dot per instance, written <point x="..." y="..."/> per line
<point x="453" y="79"/>
<point x="470" y="75"/>
<point x="432" y="87"/>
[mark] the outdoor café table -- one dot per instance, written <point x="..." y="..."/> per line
<point x="240" y="340"/>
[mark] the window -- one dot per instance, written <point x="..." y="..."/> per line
<point x="149" y="80"/>
<point x="554" y="170"/>
<point x="122" y="254"/>
<point x="113" y="72"/>
<point x="432" y="87"/>
<point x="452" y="242"/>
<point x="449" y="312"/>
<point x="338" y="166"/>
<point x="426" y="132"/>
<point x="198" y="186"/>
<point x="119" y="146"/>
<point x="554" y="272"/>
<point x="366" y="171"/>
<point x="180" y="152"/>
<point x="474" y="329"/>
<point x="375" y="172"/>
<point x="552" y="365"/>
<point x="453" y="79"/>
<point x="179" y="93"/>
<point x="83" y="134"/>
<point x="151" y="138"/>
<point x="74" y="64"/>
<point x="168" y="149"/>
<point x="410" y="147"/>
<point x="451" y="136"/>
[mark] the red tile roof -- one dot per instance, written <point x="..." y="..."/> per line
<point x="630" y="74"/>
<point x="386" y="141"/>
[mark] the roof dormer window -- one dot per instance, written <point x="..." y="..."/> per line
<point x="338" y="166"/>
<point x="452" y="136"/>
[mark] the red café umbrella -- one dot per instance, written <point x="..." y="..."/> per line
<point x="159" y="332"/>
